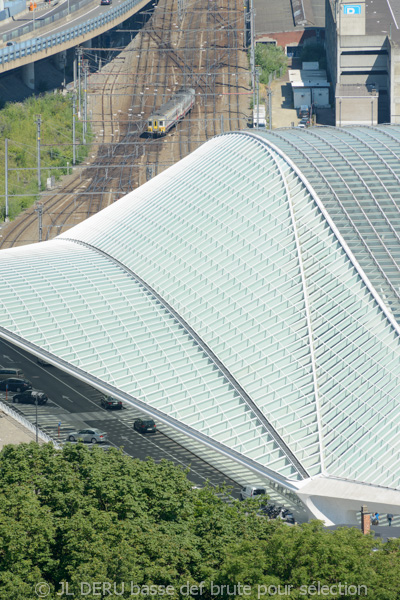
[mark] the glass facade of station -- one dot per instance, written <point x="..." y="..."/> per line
<point x="249" y="293"/>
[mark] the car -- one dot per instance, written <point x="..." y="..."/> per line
<point x="145" y="426"/>
<point x="15" y="385"/>
<point x="11" y="373"/>
<point x="88" y="435"/>
<point x="110" y="402"/>
<point x="301" y="125"/>
<point x="106" y="2"/>
<point x="251" y="491"/>
<point x="31" y="397"/>
<point x="10" y="43"/>
<point x="42" y="362"/>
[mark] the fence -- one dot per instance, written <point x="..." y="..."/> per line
<point x="27" y="424"/>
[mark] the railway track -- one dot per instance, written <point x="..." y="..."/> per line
<point x="201" y="47"/>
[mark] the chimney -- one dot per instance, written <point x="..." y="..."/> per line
<point x="365" y="520"/>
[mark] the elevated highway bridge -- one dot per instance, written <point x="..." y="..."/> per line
<point x="57" y="29"/>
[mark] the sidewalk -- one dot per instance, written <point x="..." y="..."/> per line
<point x="283" y="113"/>
<point x="12" y="432"/>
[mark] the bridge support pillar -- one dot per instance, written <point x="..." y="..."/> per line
<point x="60" y="60"/>
<point x="28" y="75"/>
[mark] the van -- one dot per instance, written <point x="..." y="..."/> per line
<point x="7" y="373"/>
<point x="251" y="491"/>
<point x="304" y="111"/>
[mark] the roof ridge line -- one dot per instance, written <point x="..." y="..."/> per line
<point x="211" y="355"/>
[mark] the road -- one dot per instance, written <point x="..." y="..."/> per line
<point x="45" y="11"/>
<point x="74" y="404"/>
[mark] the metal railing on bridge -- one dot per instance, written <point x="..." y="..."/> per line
<point x="38" y="44"/>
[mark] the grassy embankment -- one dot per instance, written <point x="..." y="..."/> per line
<point x="18" y="124"/>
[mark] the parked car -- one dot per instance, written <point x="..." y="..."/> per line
<point x="145" y="426"/>
<point x="15" y="385"/>
<point x="31" y="397"/>
<point x="110" y="402"/>
<point x="88" y="435"/>
<point x="11" y="372"/>
<point x="251" y="491"/>
<point x="304" y="110"/>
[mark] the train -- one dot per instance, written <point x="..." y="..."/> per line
<point x="171" y="112"/>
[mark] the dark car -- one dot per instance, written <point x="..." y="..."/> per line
<point x="31" y="397"/>
<point x="145" y="426"/>
<point x="105" y="1"/>
<point x="43" y="362"/>
<point x="15" y="385"/>
<point x="110" y="402"/>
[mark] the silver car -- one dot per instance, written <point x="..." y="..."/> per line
<point x="95" y="436"/>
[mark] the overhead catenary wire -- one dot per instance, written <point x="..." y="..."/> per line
<point x="119" y="149"/>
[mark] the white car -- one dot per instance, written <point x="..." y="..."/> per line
<point x="251" y="491"/>
<point x="88" y="435"/>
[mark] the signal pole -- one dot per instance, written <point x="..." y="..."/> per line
<point x="252" y="50"/>
<point x="6" y="179"/>
<point x="85" y="65"/>
<point x="38" y="122"/>
<point x="79" y="53"/>
<point x="39" y="210"/>
<point x="73" y="129"/>
<point x="258" y="73"/>
<point x="269" y="102"/>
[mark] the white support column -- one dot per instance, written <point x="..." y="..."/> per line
<point x="28" y="75"/>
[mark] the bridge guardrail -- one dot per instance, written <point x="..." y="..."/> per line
<point x="34" y="45"/>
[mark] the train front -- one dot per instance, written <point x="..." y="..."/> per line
<point x="156" y="126"/>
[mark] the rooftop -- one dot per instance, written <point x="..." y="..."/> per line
<point x="275" y="16"/>
<point x="383" y="18"/>
<point x="248" y="298"/>
<point x="355" y="91"/>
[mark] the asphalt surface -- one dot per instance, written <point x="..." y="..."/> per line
<point x="74" y="405"/>
<point x="89" y="10"/>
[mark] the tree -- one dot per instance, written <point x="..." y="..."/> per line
<point x="81" y="516"/>
<point x="270" y="58"/>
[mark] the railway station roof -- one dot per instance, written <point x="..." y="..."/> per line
<point x="248" y="296"/>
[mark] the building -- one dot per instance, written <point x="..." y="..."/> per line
<point x="310" y="86"/>
<point x="248" y="299"/>
<point x="356" y="105"/>
<point x="289" y="23"/>
<point x="362" y="44"/>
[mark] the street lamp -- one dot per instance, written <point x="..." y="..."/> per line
<point x="37" y="432"/>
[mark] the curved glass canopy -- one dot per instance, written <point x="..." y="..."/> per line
<point x="248" y="292"/>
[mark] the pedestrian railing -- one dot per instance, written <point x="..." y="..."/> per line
<point x="27" y="424"/>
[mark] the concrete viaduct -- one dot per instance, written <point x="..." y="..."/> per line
<point x="74" y="30"/>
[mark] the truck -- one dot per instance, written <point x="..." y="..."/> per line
<point x="259" y="114"/>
